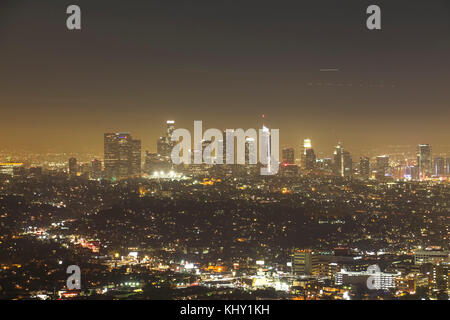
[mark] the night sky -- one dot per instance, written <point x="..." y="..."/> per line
<point x="136" y="64"/>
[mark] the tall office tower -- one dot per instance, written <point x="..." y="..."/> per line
<point x="96" y="171"/>
<point x="305" y="263"/>
<point x="135" y="168"/>
<point x="327" y="164"/>
<point x="111" y="155"/>
<point x="415" y="173"/>
<point x="163" y="147"/>
<point x="382" y="167"/>
<point x="165" y="144"/>
<point x="306" y="146"/>
<point x="250" y="143"/>
<point x="223" y="141"/>
<point x="73" y="167"/>
<point x="439" y="167"/>
<point x="207" y="159"/>
<point x="288" y="155"/>
<point x="447" y="167"/>
<point x="149" y="159"/>
<point x="124" y="167"/>
<point x="338" y="167"/>
<point x="342" y="162"/>
<point x="348" y="164"/>
<point x="122" y="155"/>
<point x="268" y="146"/>
<point x="169" y="130"/>
<point x="310" y="159"/>
<point x="364" y="167"/>
<point x="424" y="160"/>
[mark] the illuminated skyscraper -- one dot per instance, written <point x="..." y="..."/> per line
<point x="73" y="167"/>
<point x="439" y="167"/>
<point x="165" y="144"/>
<point x="163" y="147"/>
<point x="307" y="145"/>
<point x="343" y="165"/>
<point x="135" y="166"/>
<point x="424" y="161"/>
<point x="288" y="155"/>
<point x="364" y="167"/>
<point x="111" y="155"/>
<point x="310" y="159"/>
<point x="339" y="160"/>
<point x="382" y="167"/>
<point x="268" y="146"/>
<point x="96" y="171"/>
<point x="122" y="155"/>
<point x="170" y="129"/>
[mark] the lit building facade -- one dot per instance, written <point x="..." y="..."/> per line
<point x="122" y="155"/>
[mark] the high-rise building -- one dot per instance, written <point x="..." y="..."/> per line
<point x="111" y="155"/>
<point x="364" y="167"/>
<point x="122" y="155"/>
<point x="288" y="155"/>
<point x="305" y="263"/>
<point x="348" y="164"/>
<point x="307" y="145"/>
<point x="96" y="171"/>
<point x="439" y="167"/>
<point x="424" y="161"/>
<point x="382" y="166"/>
<point x="288" y="166"/>
<point x="310" y="159"/>
<point x="268" y="148"/>
<point x="343" y="164"/>
<point x="135" y="159"/>
<point x="73" y="166"/>
<point x="163" y="147"/>
<point x="169" y="130"/>
<point x="165" y="143"/>
<point x="447" y="166"/>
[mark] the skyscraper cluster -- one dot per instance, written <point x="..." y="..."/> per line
<point x="122" y="159"/>
<point x="424" y="161"/>
<point x="122" y="155"/>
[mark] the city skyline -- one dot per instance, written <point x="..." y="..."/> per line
<point x="315" y="73"/>
<point x="224" y="155"/>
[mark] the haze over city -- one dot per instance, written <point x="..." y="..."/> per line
<point x="313" y="69"/>
<point x="335" y="184"/>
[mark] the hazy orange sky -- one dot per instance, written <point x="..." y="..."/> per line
<point x="136" y="64"/>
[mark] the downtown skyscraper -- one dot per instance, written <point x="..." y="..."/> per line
<point x="424" y="161"/>
<point x="122" y="156"/>
<point x="343" y="164"/>
<point x="165" y="143"/>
